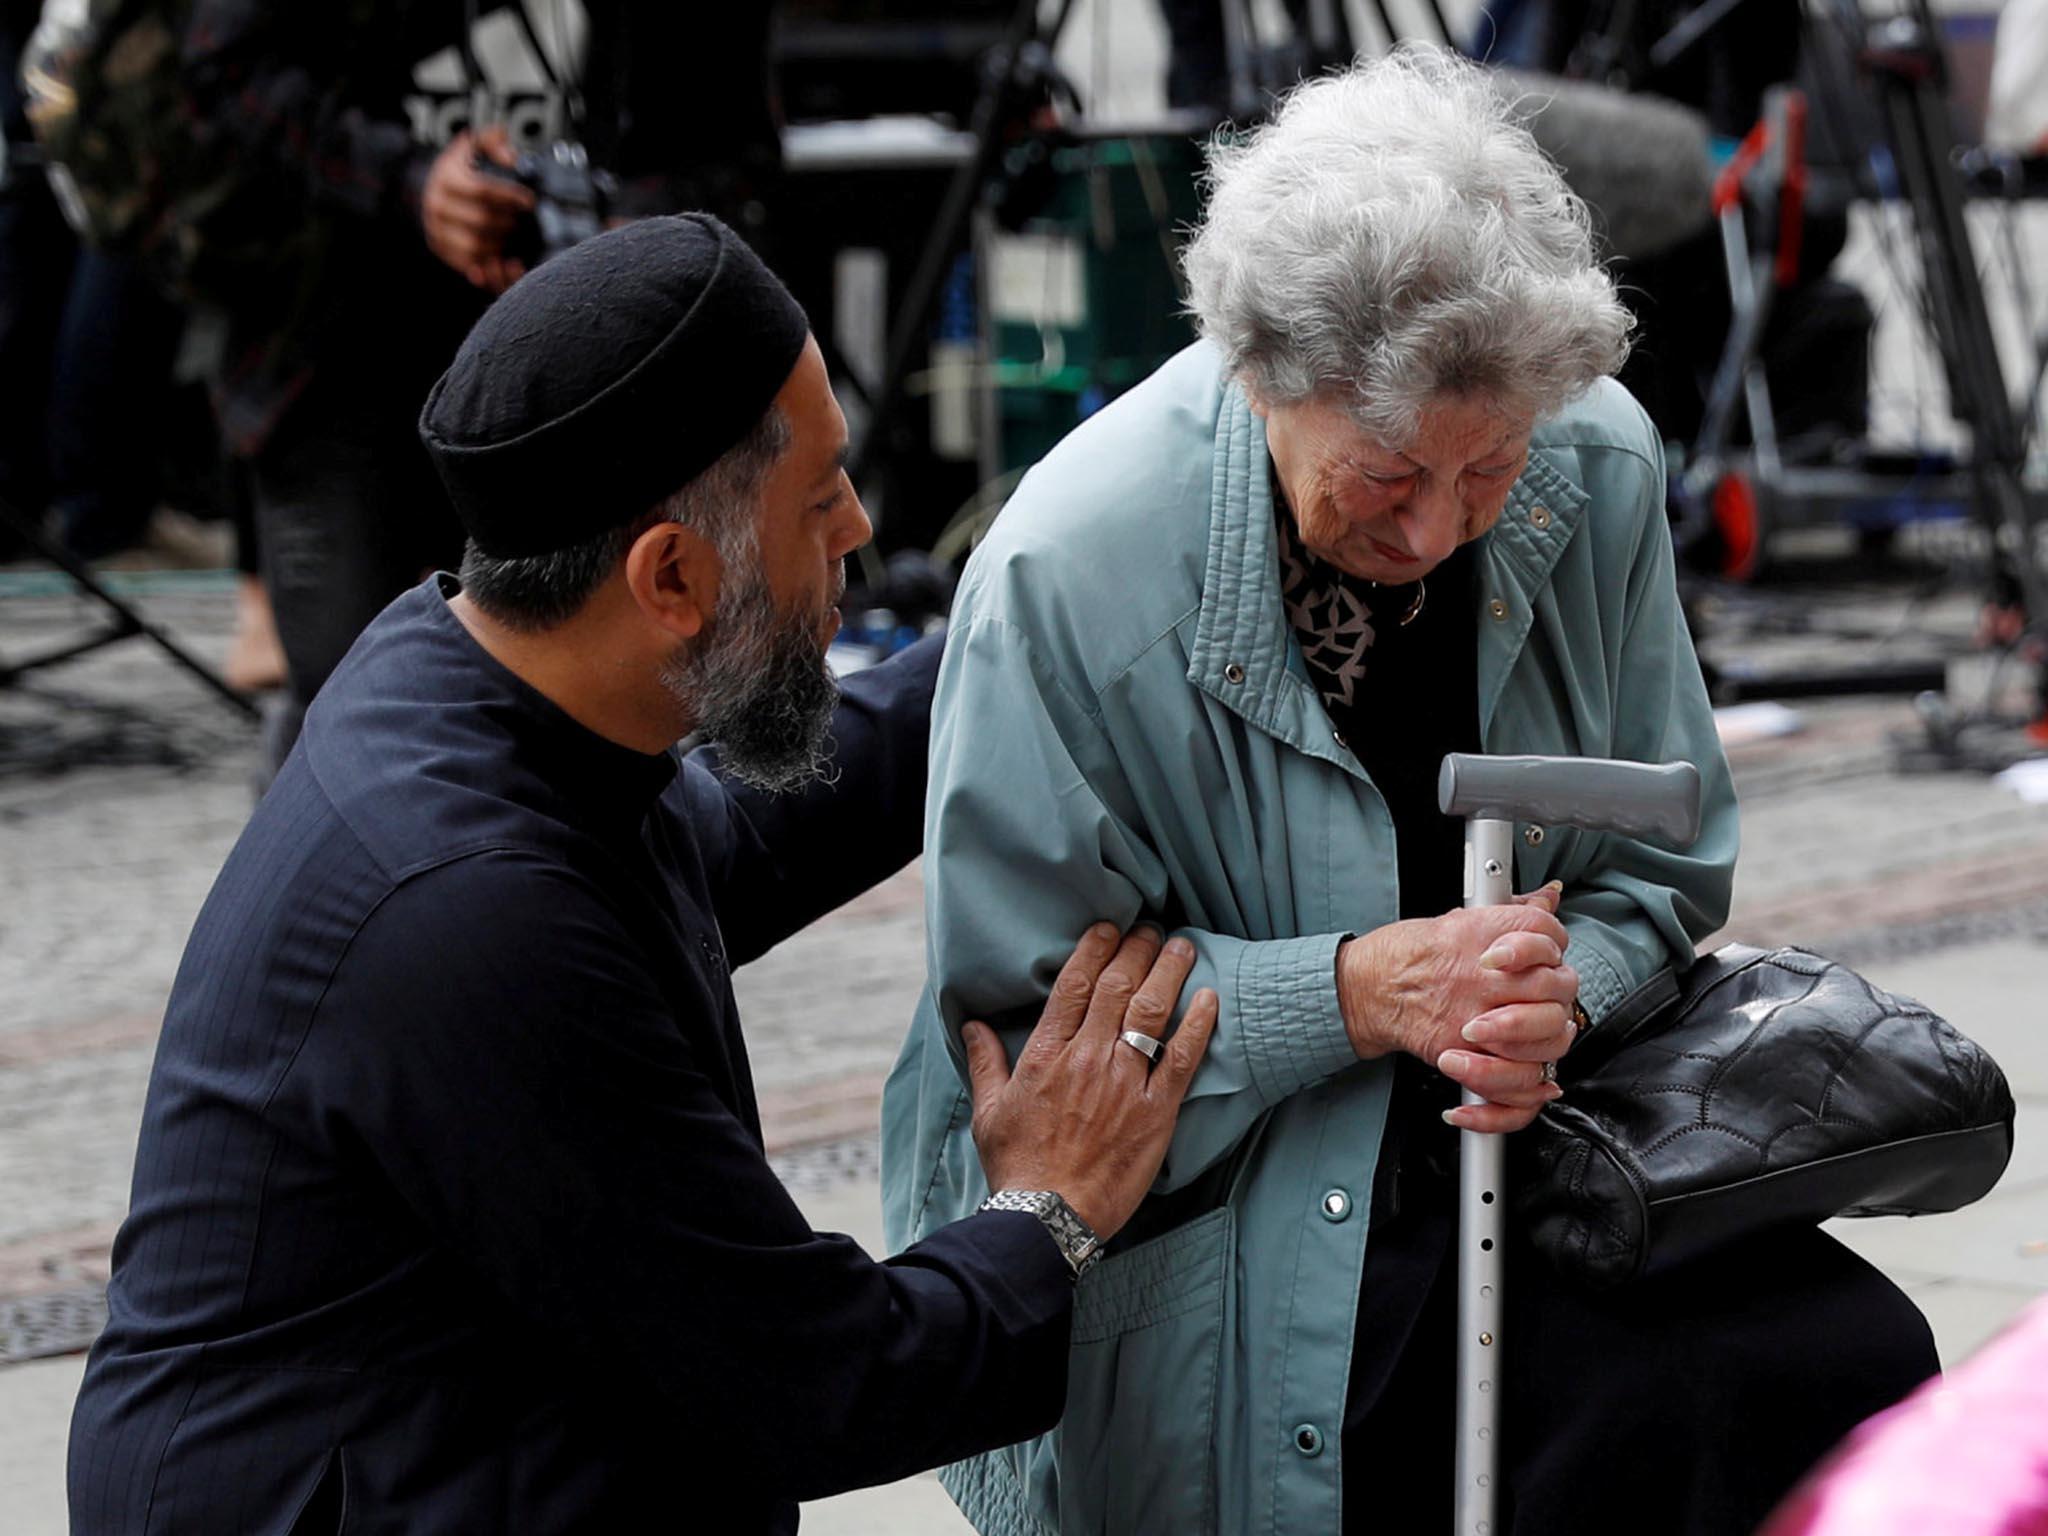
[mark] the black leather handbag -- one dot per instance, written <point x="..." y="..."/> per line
<point x="1758" y="1088"/>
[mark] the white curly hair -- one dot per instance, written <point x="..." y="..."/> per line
<point x="1393" y="235"/>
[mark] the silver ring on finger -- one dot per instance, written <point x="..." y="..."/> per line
<point x="1549" y="1073"/>
<point x="1147" y="1046"/>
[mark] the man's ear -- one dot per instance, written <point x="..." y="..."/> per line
<point x="673" y="573"/>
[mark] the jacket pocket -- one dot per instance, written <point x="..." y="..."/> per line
<point x="1136" y="1452"/>
<point x="325" y="1510"/>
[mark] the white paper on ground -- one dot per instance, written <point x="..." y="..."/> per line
<point x="1758" y="721"/>
<point x="2028" y="780"/>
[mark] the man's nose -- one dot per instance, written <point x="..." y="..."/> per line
<point x="853" y="529"/>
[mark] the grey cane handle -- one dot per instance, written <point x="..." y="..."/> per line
<point x="1660" y="800"/>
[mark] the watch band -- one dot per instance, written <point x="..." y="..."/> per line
<point x="1077" y="1240"/>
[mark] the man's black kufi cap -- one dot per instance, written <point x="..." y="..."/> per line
<point x="607" y="379"/>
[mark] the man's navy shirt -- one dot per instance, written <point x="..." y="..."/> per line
<point x="450" y="1209"/>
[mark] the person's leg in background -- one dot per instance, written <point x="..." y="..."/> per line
<point x="36" y="253"/>
<point x="110" y="403"/>
<point x="255" y="658"/>
<point x="349" y="514"/>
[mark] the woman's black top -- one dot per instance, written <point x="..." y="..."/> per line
<point x="1413" y="696"/>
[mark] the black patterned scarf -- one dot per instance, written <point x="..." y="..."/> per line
<point x="1331" y="613"/>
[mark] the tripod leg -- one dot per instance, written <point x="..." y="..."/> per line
<point x="1906" y="62"/>
<point x="128" y="620"/>
<point x="913" y="321"/>
<point x="1443" y="27"/>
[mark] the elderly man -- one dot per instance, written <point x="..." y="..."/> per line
<point x="450" y="1210"/>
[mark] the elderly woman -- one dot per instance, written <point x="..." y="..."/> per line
<point x="1203" y="672"/>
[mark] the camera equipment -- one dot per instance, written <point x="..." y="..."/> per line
<point x="571" y="199"/>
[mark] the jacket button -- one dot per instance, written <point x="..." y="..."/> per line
<point x="1336" y="1205"/>
<point x="1497" y="608"/>
<point x="1533" y="836"/>
<point x="1233" y="673"/>
<point x="1308" y="1440"/>
<point x="1540" y="516"/>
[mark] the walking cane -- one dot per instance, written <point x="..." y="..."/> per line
<point x="1492" y="794"/>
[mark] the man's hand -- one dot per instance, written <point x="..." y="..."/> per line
<point x="466" y="215"/>
<point x="1481" y="994"/>
<point x="1084" y="1114"/>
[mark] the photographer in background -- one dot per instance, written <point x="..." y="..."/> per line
<point x="390" y="247"/>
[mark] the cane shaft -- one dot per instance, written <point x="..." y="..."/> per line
<point x="1489" y="882"/>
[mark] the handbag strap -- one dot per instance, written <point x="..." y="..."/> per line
<point x="1669" y="992"/>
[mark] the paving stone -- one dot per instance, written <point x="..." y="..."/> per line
<point x="35" y="1425"/>
<point x="68" y="1147"/>
<point x="1993" y="993"/>
<point x="1964" y="1314"/>
<point x="2002" y="1240"/>
<point x="917" y="1506"/>
<point x="50" y="1323"/>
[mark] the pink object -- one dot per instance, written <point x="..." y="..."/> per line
<point x="1963" y="1456"/>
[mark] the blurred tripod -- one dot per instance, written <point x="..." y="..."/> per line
<point x="1881" y="110"/>
<point x="123" y="622"/>
<point x="1901" y="56"/>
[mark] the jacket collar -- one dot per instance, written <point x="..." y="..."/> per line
<point x="1544" y="509"/>
<point x="1244" y="654"/>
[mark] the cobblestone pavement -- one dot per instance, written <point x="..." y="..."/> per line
<point x="106" y="862"/>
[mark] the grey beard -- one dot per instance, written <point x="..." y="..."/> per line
<point x="759" y="688"/>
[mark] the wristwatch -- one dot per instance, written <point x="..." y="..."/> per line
<point x="1078" y="1242"/>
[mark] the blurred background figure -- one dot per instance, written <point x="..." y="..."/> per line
<point x="350" y="186"/>
<point x="423" y="207"/>
<point x="33" y="260"/>
<point x="321" y="353"/>
<point x="101" y="440"/>
<point x="95" y="431"/>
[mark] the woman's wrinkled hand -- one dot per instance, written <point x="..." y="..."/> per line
<point x="1482" y="994"/>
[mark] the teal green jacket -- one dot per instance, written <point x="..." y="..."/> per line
<point x="1124" y="729"/>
